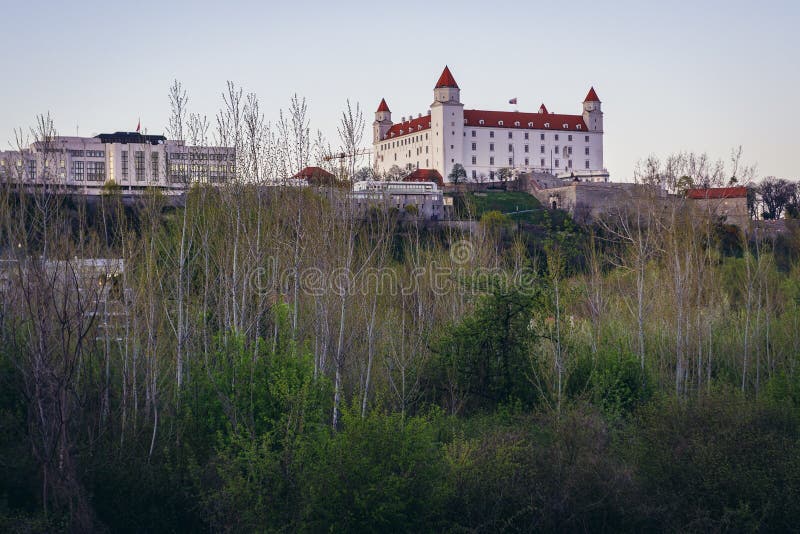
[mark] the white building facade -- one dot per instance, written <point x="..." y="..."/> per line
<point x="426" y="198"/>
<point x="484" y="142"/>
<point x="130" y="160"/>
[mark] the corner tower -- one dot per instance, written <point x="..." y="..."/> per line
<point x="592" y="112"/>
<point x="383" y="121"/>
<point x="447" y="124"/>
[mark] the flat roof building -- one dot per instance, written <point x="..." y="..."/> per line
<point x="131" y="160"/>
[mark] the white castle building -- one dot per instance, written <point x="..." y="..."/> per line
<point x="131" y="160"/>
<point x="484" y="142"/>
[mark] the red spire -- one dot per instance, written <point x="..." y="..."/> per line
<point x="591" y="96"/>
<point x="542" y="109"/>
<point x="446" y="79"/>
<point x="383" y="106"/>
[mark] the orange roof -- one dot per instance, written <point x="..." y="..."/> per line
<point x="555" y="121"/>
<point x="408" y="127"/>
<point x="425" y="175"/>
<point x="446" y="79"/>
<point x="717" y="193"/>
<point x="591" y="96"/>
<point x="383" y="106"/>
<point x="310" y="173"/>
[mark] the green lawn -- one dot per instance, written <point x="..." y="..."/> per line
<point x="508" y="202"/>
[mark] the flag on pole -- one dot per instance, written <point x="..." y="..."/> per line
<point x="139" y="126"/>
<point x="513" y="100"/>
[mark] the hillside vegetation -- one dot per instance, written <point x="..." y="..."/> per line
<point x="264" y="362"/>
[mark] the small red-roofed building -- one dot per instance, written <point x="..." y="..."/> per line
<point x="485" y="141"/>
<point x="727" y="203"/>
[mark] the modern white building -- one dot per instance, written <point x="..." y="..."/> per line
<point x="484" y="142"/>
<point x="130" y="160"/>
<point x="426" y="198"/>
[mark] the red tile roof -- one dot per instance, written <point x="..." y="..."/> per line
<point x="591" y="96"/>
<point x="310" y="173"/>
<point x="414" y="125"/>
<point x="542" y="109"/>
<point x="383" y="106"/>
<point x="556" y="121"/>
<point x="446" y="79"/>
<point x="425" y="175"/>
<point x="717" y="193"/>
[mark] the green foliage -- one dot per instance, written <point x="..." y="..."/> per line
<point x="379" y="473"/>
<point x="717" y="464"/>
<point x="486" y="354"/>
<point x="612" y="380"/>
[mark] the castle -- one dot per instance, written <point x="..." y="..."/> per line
<point x="485" y="142"/>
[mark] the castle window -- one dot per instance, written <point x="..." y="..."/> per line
<point x="510" y="147"/>
<point x="526" y="149"/>
<point x="577" y="126"/>
<point x="530" y="125"/>
<point x="569" y="151"/>
<point x="570" y="164"/>
<point x="526" y="136"/>
<point x="491" y="147"/>
<point x="516" y="123"/>
<point x="569" y="137"/>
<point x="541" y="149"/>
<point x="526" y="162"/>
<point x="541" y="136"/>
<point x="541" y="162"/>
<point x="547" y="125"/>
<point x="474" y="146"/>
<point x="474" y="160"/>
<point x="499" y="123"/>
<point x="556" y="163"/>
<point x="491" y="160"/>
<point x="480" y="121"/>
<point x="510" y="135"/>
<point x="586" y="138"/>
<point x="586" y="163"/>
<point x="491" y="134"/>
<point x="474" y="174"/>
<point x="510" y="161"/>
<point x="556" y="138"/>
<point x="473" y="133"/>
<point x="565" y="126"/>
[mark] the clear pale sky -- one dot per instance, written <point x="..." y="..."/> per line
<point x="705" y="76"/>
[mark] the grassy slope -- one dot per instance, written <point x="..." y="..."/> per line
<point x="506" y="202"/>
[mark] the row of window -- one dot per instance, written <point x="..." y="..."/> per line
<point x="557" y="163"/>
<point x="403" y="142"/>
<point x="87" y="153"/>
<point x="526" y="136"/>
<point x="183" y="156"/>
<point x="526" y="148"/>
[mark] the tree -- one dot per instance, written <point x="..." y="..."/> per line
<point x="396" y="174"/>
<point x="504" y="175"/>
<point x="776" y="194"/>
<point x="364" y="174"/>
<point x="457" y="174"/>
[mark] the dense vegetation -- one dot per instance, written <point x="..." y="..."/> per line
<point x="255" y="374"/>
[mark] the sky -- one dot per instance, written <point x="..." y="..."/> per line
<point x="701" y="76"/>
